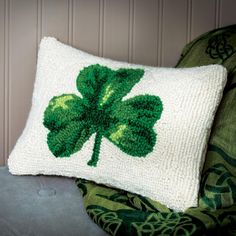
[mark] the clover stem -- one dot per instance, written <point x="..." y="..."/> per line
<point x="96" y="149"/>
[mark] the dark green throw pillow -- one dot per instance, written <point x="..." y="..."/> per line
<point x="218" y="187"/>
<point x="121" y="213"/>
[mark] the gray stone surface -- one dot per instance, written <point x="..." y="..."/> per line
<point x="42" y="206"/>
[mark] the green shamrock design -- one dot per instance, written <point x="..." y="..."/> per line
<point x="127" y="124"/>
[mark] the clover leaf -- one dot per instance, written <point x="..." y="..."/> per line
<point x="127" y="124"/>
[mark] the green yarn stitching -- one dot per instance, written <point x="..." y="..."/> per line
<point x="127" y="124"/>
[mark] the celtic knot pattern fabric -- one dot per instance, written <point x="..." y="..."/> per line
<point x="219" y="47"/>
<point x="121" y="213"/>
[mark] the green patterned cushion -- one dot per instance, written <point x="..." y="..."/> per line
<point x="121" y="213"/>
<point x="218" y="188"/>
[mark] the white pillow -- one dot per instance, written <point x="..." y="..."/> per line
<point x="151" y="124"/>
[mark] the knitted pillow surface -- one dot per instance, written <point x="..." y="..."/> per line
<point x="142" y="129"/>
